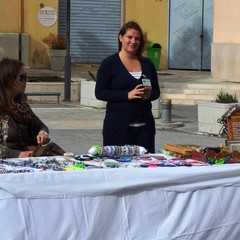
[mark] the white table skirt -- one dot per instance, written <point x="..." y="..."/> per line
<point x="122" y="204"/>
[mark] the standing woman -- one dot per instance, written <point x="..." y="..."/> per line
<point x="120" y="79"/>
<point x="24" y="127"/>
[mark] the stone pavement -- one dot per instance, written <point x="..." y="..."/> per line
<point x="77" y="128"/>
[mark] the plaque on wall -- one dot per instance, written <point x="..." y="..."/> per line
<point x="47" y="16"/>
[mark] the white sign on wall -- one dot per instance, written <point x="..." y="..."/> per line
<point x="47" y="16"/>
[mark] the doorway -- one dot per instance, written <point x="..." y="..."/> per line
<point x="190" y="34"/>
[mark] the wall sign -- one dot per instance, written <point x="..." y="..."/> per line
<point x="47" y="16"/>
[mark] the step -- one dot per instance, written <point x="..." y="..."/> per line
<point x="184" y="102"/>
<point x="186" y="98"/>
<point x="215" y="86"/>
<point x="191" y="93"/>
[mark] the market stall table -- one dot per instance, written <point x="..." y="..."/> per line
<point x="122" y="204"/>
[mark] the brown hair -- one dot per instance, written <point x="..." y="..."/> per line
<point x="9" y="70"/>
<point x="122" y="32"/>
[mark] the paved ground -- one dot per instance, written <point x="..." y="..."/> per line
<point x="77" y="128"/>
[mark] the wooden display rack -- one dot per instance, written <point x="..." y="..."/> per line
<point x="233" y="125"/>
<point x="185" y="149"/>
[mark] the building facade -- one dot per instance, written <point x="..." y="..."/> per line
<point x="226" y="41"/>
<point x="22" y="20"/>
<point x="23" y="26"/>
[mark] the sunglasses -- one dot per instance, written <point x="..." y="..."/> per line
<point x="22" y="78"/>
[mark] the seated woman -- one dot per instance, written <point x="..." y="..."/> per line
<point x="24" y="127"/>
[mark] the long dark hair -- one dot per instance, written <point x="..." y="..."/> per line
<point x="122" y="32"/>
<point x="9" y="70"/>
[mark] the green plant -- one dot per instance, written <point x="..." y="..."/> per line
<point x="146" y="40"/>
<point x="55" y="42"/>
<point x="224" y="97"/>
<point x="92" y="75"/>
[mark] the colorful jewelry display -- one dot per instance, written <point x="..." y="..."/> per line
<point x="116" y="151"/>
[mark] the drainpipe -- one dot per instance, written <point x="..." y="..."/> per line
<point x="21" y="28"/>
<point x="122" y="11"/>
<point x="67" y="88"/>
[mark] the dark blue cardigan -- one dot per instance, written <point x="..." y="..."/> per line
<point x="113" y="84"/>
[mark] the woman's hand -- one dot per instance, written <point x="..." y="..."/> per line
<point x="42" y="137"/>
<point x="147" y="93"/>
<point x="25" y="154"/>
<point x="137" y="92"/>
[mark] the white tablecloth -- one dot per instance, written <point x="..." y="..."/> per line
<point x="122" y="204"/>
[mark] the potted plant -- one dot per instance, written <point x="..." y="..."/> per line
<point x="87" y="97"/>
<point x="146" y="42"/>
<point x="225" y="97"/>
<point x="57" y="51"/>
<point x="210" y="112"/>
